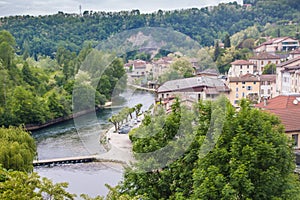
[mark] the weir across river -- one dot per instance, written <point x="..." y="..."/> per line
<point x="68" y="160"/>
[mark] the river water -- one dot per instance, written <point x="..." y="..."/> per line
<point x="80" y="138"/>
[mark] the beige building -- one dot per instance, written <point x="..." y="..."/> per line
<point x="288" y="77"/>
<point x="240" y="68"/>
<point x="262" y="59"/>
<point x="278" y="44"/>
<point x="246" y="86"/>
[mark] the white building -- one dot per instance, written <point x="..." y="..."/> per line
<point x="262" y="59"/>
<point x="240" y="68"/>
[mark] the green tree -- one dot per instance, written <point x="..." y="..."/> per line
<point x="252" y="160"/>
<point x="21" y="185"/>
<point x="270" y="69"/>
<point x="18" y="149"/>
<point x="227" y="41"/>
<point x="217" y="52"/>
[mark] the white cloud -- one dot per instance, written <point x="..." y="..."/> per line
<point x="43" y="7"/>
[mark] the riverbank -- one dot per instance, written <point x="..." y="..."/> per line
<point x="34" y="127"/>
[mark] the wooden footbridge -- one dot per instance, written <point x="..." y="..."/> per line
<point x="68" y="160"/>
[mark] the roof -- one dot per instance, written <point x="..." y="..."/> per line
<point x="281" y="102"/>
<point x="244" y="78"/>
<point x="273" y="41"/>
<point x="241" y="62"/>
<point x="265" y="56"/>
<point x="287" y="108"/>
<point x="190" y="83"/>
<point x="289" y="62"/>
<point x="268" y="77"/>
<point x="296" y="51"/>
<point x="209" y="71"/>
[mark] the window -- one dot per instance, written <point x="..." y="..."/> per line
<point x="241" y="72"/>
<point x="236" y="83"/>
<point x="241" y="67"/>
<point x="162" y="96"/>
<point x="262" y="91"/>
<point x="243" y="82"/>
<point x="254" y="82"/>
<point x="247" y="66"/>
<point x="237" y="95"/>
<point x="249" y="87"/>
<point x="269" y="91"/>
<point x="236" y="101"/>
<point x="243" y="94"/>
<point x="262" y="62"/>
<point x="295" y="139"/>
<point x="237" y="89"/>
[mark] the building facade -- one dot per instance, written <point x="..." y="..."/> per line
<point x="246" y="86"/>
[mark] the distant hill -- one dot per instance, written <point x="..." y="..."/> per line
<point x="42" y="35"/>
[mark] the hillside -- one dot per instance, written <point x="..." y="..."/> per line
<point x="43" y="35"/>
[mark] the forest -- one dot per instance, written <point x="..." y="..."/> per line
<point x="42" y="35"/>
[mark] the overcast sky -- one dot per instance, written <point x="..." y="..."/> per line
<point x="44" y="7"/>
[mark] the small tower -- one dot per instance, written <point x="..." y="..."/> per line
<point x="80" y="10"/>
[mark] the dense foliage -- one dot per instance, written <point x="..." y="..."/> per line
<point x="21" y="185"/>
<point x="34" y="92"/>
<point x="42" y="35"/>
<point x="17" y="149"/>
<point x="252" y="158"/>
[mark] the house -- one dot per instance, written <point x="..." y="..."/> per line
<point x="287" y="76"/>
<point x="277" y="45"/>
<point x="161" y="66"/>
<point x="287" y="108"/>
<point x="137" y="68"/>
<point x="194" y="89"/>
<point x="267" y="86"/>
<point x="294" y="54"/>
<point x="262" y="59"/>
<point x="240" y="68"/>
<point x="245" y="86"/>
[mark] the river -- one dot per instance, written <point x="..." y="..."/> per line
<point x="69" y="139"/>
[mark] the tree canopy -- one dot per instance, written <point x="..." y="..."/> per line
<point x="252" y="158"/>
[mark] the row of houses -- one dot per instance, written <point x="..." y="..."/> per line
<point x="278" y="93"/>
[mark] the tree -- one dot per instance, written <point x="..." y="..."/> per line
<point x="270" y="69"/>
<point x="138" y="108"/>
<point x="17" y="149"/>
<point x="20" y="185"/>
<point x="227" y="41"/>
<point x="253" y="159"/>
<point x="217" y="51"/>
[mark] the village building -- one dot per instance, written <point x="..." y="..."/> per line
<point x="294" y="54"/>
<point x="240" y="68"/>
<point x="278" y="45"/>
<point x="267" y="86"/>
<point x="287" y="108"/>
<point x="245" y="86"/>
<point x="262" y="59"/>
<point x="288" y="77"/>
<point x="193" y="89"/>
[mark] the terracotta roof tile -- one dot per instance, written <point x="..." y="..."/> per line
<point x="268" y="77"/>
<point x="287" y="108"/>
<point x="241" y="62"/>
<point x="265" y="56"/>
